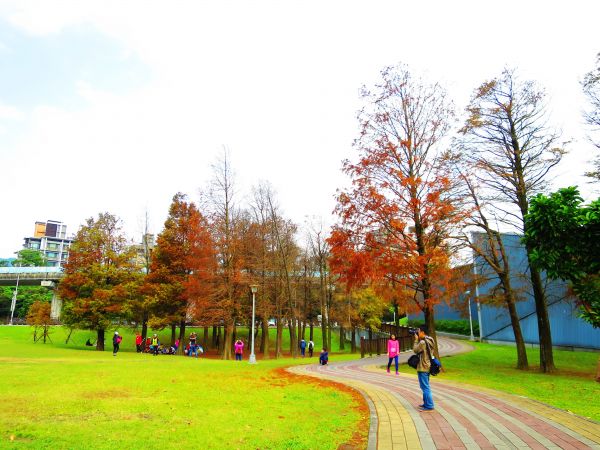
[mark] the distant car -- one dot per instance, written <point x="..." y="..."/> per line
<point x="272" y="322"/>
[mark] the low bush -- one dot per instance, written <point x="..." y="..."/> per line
<point x="460" y="326"/>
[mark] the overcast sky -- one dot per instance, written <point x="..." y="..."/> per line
<point x="116" y="106"/>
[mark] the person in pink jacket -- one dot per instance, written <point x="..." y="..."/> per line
<point x="239" y="349"/>
<point x="393" y="351"/>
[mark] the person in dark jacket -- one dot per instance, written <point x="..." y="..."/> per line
<point x="116" y="341"/>
<point x="303" y="347"/>
<point x="324" y="357"/>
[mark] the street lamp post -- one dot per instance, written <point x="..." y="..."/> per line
<point x="14" y="301"/>
<point x="252" y="360"/>
<point x="468" y="294"/>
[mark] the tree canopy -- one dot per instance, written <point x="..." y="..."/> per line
<point x="99" y="277"/>
<point x="565" y="237"/>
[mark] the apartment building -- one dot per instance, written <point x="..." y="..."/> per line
<point x="50" y="238"/>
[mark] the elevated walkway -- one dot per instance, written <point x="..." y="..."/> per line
<point x="30" y="276"/>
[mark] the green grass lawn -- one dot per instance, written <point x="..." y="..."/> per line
<point x="572" y="388"/>
<point x="69" y="396"/>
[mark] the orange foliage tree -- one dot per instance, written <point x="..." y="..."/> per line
<point x="182" y="266"/>
<point x="100" y="277"/>
<point x="396" y="219"/>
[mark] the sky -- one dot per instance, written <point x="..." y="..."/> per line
<point x="115" y="106"/>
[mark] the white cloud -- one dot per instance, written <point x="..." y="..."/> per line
<point x="10" y="112"/>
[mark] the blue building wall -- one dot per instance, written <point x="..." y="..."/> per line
<point x="568" y="330"/>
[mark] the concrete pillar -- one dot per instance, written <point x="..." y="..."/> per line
<point x="56" y="306"/>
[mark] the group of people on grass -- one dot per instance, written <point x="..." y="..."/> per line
<point x="423" y="346"/>
<point x="154" y="346"/>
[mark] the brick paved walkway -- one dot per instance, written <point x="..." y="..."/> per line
<point x="464" y="418"/>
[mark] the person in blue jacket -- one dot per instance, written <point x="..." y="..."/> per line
<point x="303" y="347"/>
<point x="324" y="358"/>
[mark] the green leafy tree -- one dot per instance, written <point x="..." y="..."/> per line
<point x="27" y="296"/>
<point x="29" y="258"/>
<point x="564" y="236"/>
<point x="100" y="276"/>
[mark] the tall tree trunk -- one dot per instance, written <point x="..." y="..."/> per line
<point x="598" y="371"/>
<point x="144" y="329"/>
<point x="173" y="333"/>
<point x="430" y="324"/>
<point x="541" y="308"/>
<point x="353" y="344"/>
<point x="264" y="341"/>
<point x="181" y="336"/>
<point x="342" y="338"/>
<point x="219" y="341"/>
<point x="227" y="341"/>
<point x="214" y="337"/>
<point x="278" y="339"/>
<point x="522" y="362"/>
<point x="293" y="340"/>
<point x="100" y="339"/>
<point x="328" y="334"/>
<point x="311" y="331"/>
<point x="205" y="339"/>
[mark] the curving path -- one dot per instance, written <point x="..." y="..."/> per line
<point x="464" y="418"/>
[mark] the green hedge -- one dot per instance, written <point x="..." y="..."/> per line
<point x="451" y="326"/>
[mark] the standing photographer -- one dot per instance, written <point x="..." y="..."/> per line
<point x="423" y="347"/>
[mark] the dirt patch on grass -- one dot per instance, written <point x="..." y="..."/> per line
<point x="360" y="437"/>
<point x="111" y="393"/>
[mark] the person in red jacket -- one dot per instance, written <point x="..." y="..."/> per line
<point x="138" y="342"/>
<point x="393" y="352"/>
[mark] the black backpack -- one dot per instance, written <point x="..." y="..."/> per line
<point x="436" y="365"/>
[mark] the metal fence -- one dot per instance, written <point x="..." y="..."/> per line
<point x="378" y="345"/>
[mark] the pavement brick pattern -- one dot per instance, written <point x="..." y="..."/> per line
<point x="464" y="417"/>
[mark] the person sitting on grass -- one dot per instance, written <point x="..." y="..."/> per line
<point x="324" y="357"/>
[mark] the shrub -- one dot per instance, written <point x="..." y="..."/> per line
<point x="460" y="326"/>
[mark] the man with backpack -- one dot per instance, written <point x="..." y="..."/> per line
<point x="423" y="347"/>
